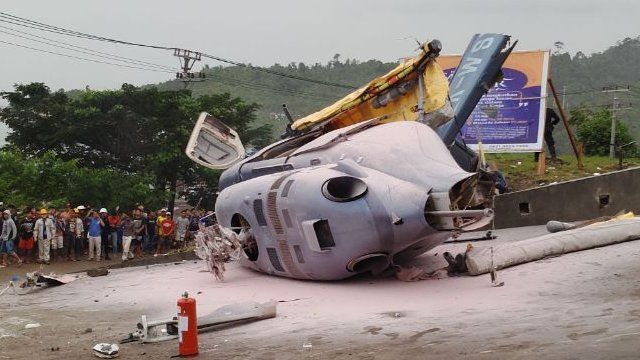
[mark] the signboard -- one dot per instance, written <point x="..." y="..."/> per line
<point x="510" y="117"/>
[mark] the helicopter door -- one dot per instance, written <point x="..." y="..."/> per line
<point x="213" y="144"/>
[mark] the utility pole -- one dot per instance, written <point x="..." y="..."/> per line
<point x="187" y="59"/>
<point x="615" y="106"/>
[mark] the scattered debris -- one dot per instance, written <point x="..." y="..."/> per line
<point x="416" y="274"/>
<point x="456" y="238"/>
<point x="32" y="326"/>
<point x="98" y="272"/>
<point x="292" y="300"/>
<point x="106" y="351"/>
<point x="217" y="246"/>
<point x="226" y="316"/>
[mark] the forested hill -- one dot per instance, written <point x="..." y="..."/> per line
<point x="271" y="92"/>
<point x="581" y="76"/>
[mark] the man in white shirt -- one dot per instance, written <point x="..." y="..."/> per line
<point x="43" y="232"/>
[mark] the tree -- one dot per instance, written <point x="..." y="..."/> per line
<point x="594" y="131"/>
<point x="132" y="130"/>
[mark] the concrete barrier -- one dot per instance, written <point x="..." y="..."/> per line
<point x="574" y="200"/>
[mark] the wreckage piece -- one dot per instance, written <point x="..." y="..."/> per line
<point x="236" y="314"/>
<point x="479" y="260"/>
<point x="224" y="317"/>
<point x="557" y="226"/>
<point x="217" y="246"/>
<point x="106" y="351"/>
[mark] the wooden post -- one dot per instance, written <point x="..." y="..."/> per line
<point x="577" y="148"/>
<point x="542" y="162"/>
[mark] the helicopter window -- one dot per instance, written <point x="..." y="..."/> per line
<point x="274" y="259"/>
<point x="323" y="234"/>
<point x="285" y="189"/>
<point x="259" y="212"/>
<point x="287" y="218"/>
<point x="298" y="252"/>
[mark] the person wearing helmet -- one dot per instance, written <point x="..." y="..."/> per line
<point x="104" y="235"/>
<point x="44" y="232"/>
<point x="8" y="235"/>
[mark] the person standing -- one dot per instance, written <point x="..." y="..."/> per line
<point x="194" y="227"/>
<point x="94" y="234"/>
<point x="44" y="232"/>
<point x="25" y="244"/>
<point x="104" y="234"/>
<point x="127" y="237"/>
<point x="114" y="225"/>
<point x="182" y="226"/>
<point x="168" y="227"/>
<point x="73" y="233"/>
<point x="152" y="227"/>
<point x="551" y="119"/>
<point x="139" y="231"/>
<point x="57" y="243"/>
<point x="7" y="237"/>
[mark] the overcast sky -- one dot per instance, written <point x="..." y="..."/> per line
<point x="282" y="31"/>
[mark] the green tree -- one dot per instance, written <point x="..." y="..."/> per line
<point x="594" y="131"/>
<point x="132" y="130"/>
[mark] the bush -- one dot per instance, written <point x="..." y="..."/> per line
<point x="594" y="131"/>
<point x="49" y="181"/>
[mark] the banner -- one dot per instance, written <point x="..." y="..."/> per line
<point x="510" y="117"/>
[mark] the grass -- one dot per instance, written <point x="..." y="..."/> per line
<point x="520" y="170"/>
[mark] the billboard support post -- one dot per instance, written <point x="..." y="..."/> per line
<point x="577" y="148"/>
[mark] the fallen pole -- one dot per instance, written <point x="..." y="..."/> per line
<point x="479" y="260"/>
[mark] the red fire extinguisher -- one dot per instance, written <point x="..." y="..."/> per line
<point x="187" y="326"/>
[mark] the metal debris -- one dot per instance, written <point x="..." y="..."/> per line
<point x="217" y="246"/>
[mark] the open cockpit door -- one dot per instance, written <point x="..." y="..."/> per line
<point x="213" y="144"/>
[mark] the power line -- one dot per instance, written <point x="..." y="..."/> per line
<point x="88" y="51"/>
<point x="60" y="30"/>
<point x="82" y="58"/>
<point x="254" y="86"/>
<point x="278" y="73"/>
<point x="16" y="20"/>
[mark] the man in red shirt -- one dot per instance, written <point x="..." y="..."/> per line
<point x="168" y="228"/>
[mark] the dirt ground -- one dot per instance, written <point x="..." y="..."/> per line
<point x="577" y="306"/>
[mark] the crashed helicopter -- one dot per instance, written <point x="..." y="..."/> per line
<point x="375" y="179"/>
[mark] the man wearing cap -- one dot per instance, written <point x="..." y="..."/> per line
<point x="44" y="231"/>
<point x="168" y="227"/>
<point x="8" y="235"/>
<point x="104" y="235"/>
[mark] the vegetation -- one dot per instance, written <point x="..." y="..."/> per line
<point x="138" y="133"/>
<point x="520" y="170"/>
<point x="594" y="132"/>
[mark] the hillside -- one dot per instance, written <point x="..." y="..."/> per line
<point x="582" y="76"/>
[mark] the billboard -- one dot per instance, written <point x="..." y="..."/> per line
<point x="510" y="117"/>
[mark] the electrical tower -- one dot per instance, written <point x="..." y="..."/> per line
<point x="615" y="106"/>
<point x="187" y="59"/>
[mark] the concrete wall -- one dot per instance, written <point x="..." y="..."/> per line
<point x="581" y="199"/>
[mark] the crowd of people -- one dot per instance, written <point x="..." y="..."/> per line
<point x="80" y="232"/>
